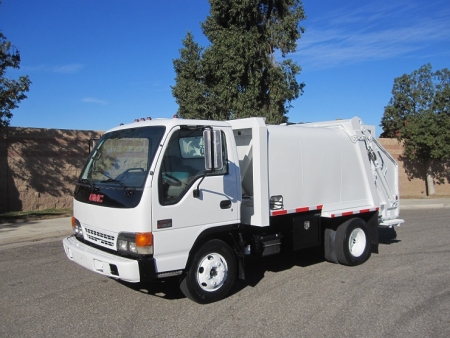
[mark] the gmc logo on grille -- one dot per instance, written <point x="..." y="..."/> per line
<point x="96" y="198"/>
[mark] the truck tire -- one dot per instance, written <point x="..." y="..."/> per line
<point x="352" y="242"/>
<point x="211" y="274"/>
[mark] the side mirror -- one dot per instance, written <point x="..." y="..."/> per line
<point x="92" y="144"/>
<point x="213" y="149"/>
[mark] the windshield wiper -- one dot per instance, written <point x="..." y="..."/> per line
<point x="89" y="181"/>
<point x="128" y="191"/>
<point x="113" y="180"/>
<point x="109" y="178"/>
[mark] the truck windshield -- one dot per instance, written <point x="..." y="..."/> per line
<point x="122" y="158"/>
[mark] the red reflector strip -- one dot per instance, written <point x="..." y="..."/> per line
<point x="349" y="213"/>
<point x="297" y="210"/>
<point x="281" y="212"/>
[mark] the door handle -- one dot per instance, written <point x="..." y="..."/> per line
<point x="225" y="204"/>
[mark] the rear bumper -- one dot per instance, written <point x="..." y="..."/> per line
<point x="392" y="222"/>
<point x="126" y="269"/>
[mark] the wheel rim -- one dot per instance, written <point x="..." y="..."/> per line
<point x="357" y="242"/>
<point x="212" y="272"/>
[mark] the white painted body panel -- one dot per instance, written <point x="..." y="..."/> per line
<point x="250" y="136"/>
<point x="311" y="167"/>
<point x="191" y="216"/>
<point x="112" y="221"/>
<point x="381" y="173"/>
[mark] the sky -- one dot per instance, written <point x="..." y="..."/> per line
<point x="97" y="63"/>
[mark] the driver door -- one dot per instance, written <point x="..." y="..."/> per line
<point x="178" y="217"/>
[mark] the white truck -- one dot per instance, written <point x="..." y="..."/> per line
<point x="193" y="199"/>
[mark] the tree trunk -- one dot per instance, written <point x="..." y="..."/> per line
<point x="430" y="180"/>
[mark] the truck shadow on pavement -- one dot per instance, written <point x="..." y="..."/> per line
<point x="387" y="236"/>
<point x="255" y="269"/>
<point x="165" y="288"/>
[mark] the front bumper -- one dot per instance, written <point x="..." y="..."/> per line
<point x="107" y="264"/>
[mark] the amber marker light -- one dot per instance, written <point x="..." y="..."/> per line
<point x="144" y="239"/>
<point x="76" y="227"/>
<point x="144" y="243"/>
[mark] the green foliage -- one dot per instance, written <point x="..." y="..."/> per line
<point x="238" y="75"/>
<point x="11" y="91"/>
<point x="419" y="115"/>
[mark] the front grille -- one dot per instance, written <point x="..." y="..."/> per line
<point x="100" y="238"/>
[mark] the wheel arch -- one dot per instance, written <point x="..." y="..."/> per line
<point x="211" y="269"/>
<point x="225" y="233"/>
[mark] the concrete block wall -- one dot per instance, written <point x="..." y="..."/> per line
<point x="411" y="185"/>
<point x="38" y="167"/>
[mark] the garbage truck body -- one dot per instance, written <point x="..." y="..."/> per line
<point x="193" y="199"/>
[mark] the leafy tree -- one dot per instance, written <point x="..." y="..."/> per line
<point x="238" y="75"/>
<point x="11" y="91"/>
<point x="418" y="114"/>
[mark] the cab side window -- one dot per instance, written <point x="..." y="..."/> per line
<point x="183" y="164"/>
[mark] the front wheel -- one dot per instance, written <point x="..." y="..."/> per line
<point x="212" y="273"/>
<point x="352" y="242"/>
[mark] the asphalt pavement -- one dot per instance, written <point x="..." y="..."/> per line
<point x="17" y="234"/>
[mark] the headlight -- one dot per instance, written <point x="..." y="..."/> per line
<point x="122" y="245"/>
<point x="77" y="229"/>
<point x="140" y="243"/>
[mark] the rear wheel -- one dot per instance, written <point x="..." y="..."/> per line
<point x="352" y="242"/>
<point x="212" y="273"/>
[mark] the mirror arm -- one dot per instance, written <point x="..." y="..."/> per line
<point x="196" y="191"/>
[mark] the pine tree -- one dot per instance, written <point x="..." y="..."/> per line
<point x="238" y="75"/>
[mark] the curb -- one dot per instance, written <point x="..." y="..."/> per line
<point x="424" y="206"/>
<point x="19" y="234"/>
<point x="35" y="237"/>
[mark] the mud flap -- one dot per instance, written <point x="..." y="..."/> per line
<point x="330" y="252"/>
<point x="372" y="228"/>
<point x="241" y="268"/>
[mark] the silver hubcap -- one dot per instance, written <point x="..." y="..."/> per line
<point x="212" y="272"/>
<point x="357" y="242"/>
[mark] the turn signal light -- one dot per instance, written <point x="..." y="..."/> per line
<point x="138" y="243"/>
<point x="144" y="239"/>
<point x="76" y="227"/>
